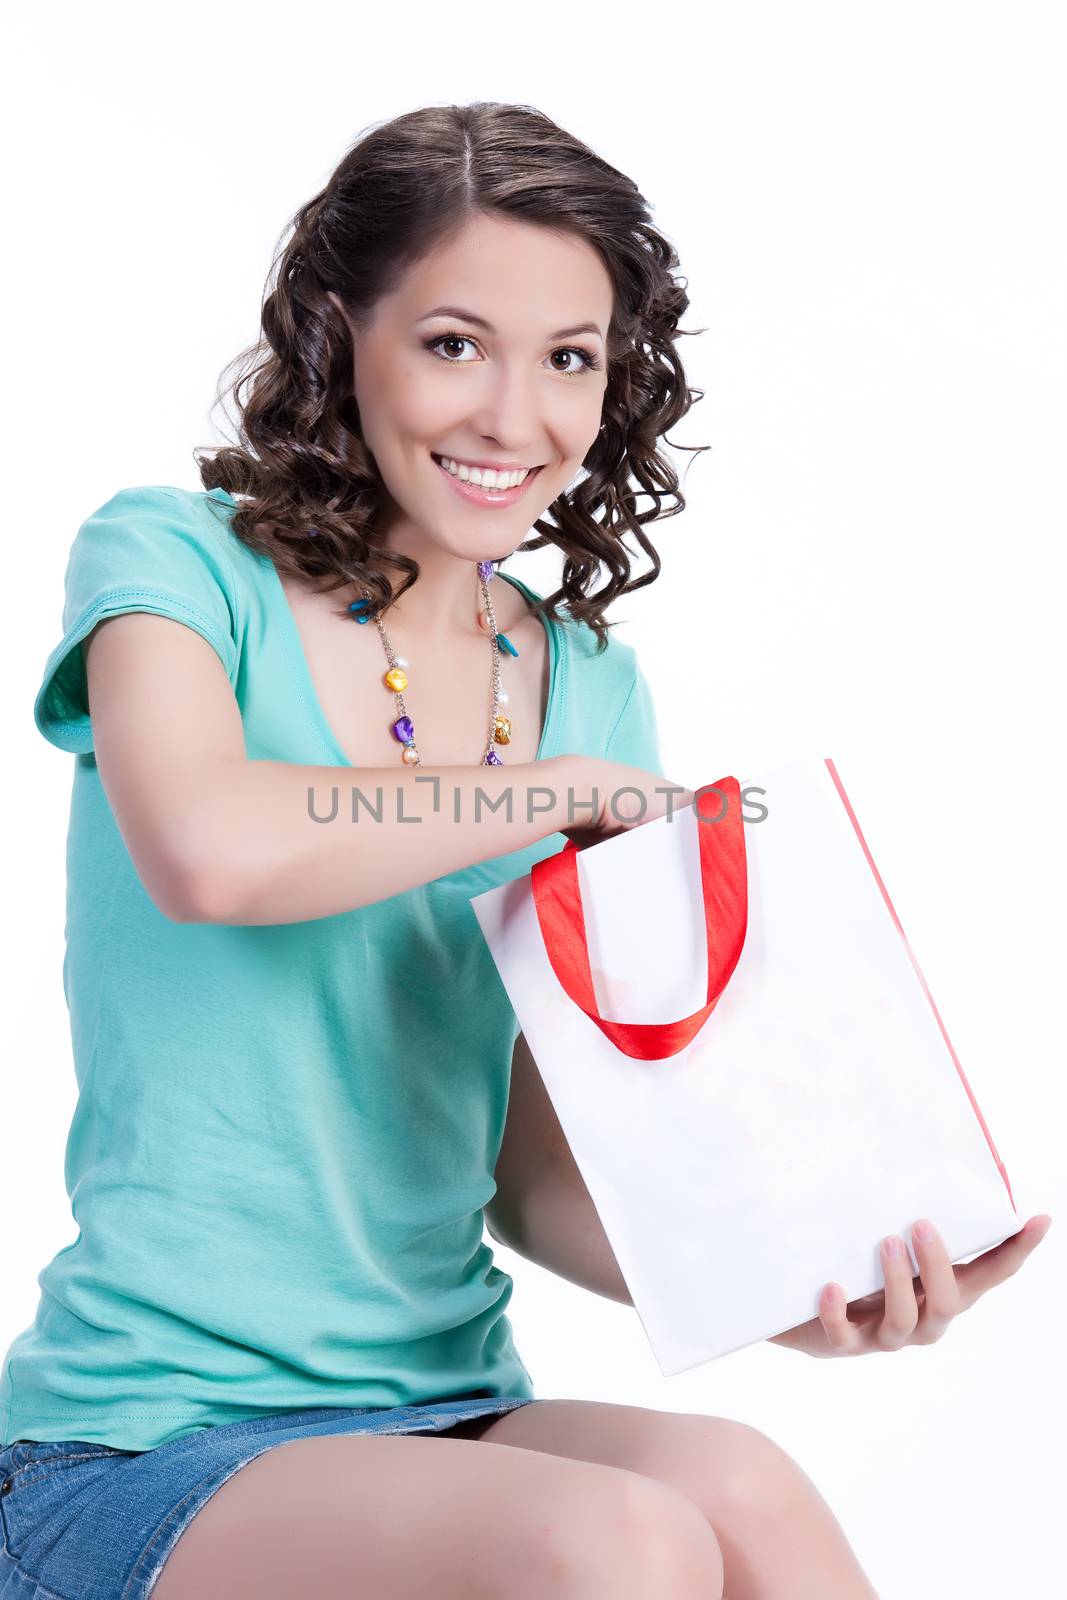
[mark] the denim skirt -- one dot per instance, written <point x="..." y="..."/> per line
<point x="83" y="1521"/>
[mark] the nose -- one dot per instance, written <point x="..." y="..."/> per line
<point x="510" y="419"/>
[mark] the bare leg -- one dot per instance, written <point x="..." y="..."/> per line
<point x="799" y="1549"/>
<point x="777" y="1534"/>
<point x="357" y="1517"/>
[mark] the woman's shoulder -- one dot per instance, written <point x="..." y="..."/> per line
<point x="149" y="547"/>
<point x="196" y="515"/>
<point x="202" y="513"/>
<point x="161" y="496"/>
<point x="146" y="531"/>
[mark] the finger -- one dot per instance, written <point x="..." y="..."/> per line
<point x="993" y="1266"/>
<point x="942" y="1299"/>
<point x="901" y="1307"/>
<point x="842" y="1335"/>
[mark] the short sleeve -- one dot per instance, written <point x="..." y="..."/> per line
<point x="146" y="549"/>
<point x="634" y="740"/>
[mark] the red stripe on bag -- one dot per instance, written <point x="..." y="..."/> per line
<point x="724" y="884"/>
<point x="918" y="973"/>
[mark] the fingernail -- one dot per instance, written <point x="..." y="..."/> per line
<point x="923" y="1230"/>
<point x="892" y="1247"/>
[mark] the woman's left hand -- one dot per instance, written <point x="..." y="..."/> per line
<point x="901" y="1314"/>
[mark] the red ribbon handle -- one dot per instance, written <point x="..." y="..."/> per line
<point x="724" y="883"/>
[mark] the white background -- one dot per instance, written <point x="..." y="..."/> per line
<point x="868" y="205"/>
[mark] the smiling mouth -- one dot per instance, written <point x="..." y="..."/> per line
<point x="531" y="472"/>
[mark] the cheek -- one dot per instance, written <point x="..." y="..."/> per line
<point x="395" y="404"/>
<point x="421" y="411"/>
<point x="582" y="424"/>
<point x="580" y="440"/>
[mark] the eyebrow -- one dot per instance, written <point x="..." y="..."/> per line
<point x="469" y="316"/>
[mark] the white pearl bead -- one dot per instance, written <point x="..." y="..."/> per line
<point x="401" y="662"/>
<point x="503" y="697"/>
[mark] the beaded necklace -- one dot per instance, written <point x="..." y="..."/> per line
<point x="396" y="679"/>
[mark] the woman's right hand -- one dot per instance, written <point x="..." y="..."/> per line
<point x="621" y="798"/>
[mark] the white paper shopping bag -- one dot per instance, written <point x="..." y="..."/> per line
<point x="745" y="1059"/>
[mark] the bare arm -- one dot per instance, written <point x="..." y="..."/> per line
<point x="542" y="1208"/>
<point x="271" y="861"/>
<point x="216" y="837"/>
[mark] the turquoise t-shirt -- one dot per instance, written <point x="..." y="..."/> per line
<point x="285" y="1135"/>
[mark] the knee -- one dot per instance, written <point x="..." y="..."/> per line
<point x="762" y="1482"/>
<point x="645" y="1537"/>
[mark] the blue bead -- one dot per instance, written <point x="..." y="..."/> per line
<point x="503" y="640"/>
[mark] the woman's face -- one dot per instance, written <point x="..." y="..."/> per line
<point x="508" y="387"/>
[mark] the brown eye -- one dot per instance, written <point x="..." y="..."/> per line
<point x="452" y="339"/>
<point x="589" y="358"/>
<point x="586" y="355"/>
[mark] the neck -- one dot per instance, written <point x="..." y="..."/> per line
<point x="444" y="601"/>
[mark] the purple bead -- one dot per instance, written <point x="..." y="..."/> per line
<point x="486" y="570"/>
<point x="313" y="533"/>
<point x="404" y="730"/>
<point x="493" y="760"/>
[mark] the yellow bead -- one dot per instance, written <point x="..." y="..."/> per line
<point x="502" y="731"/>
<point x="396" y="679"/>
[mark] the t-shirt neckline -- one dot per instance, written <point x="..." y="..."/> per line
<point x="297" y="657"/>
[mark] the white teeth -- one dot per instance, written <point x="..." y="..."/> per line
<point x="487" y="477"/>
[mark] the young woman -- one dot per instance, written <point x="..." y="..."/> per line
<point x="276" y="1360"/>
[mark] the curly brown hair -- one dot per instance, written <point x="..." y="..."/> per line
<point x="400" y="189"/>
